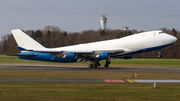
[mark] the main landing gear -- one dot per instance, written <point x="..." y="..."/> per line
<point x="96" y="64"/>
<point x="107" y="64"/>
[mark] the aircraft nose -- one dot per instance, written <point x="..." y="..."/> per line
<point x="172" y="39"/>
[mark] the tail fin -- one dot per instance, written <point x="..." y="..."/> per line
<point x="25" y="41"/>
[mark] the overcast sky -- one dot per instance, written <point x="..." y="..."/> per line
<point x="79" y="15"/>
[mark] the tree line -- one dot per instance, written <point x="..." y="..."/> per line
<point x="52" y="36"/>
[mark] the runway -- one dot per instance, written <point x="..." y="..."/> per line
<point x="81" y="68"/>
<point x="91" y="80"/>
<point x="67" y="80"/>
<point x="51" y="80"/>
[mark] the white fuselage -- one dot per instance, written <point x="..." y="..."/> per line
<point x="130" y="43"/>
<point x="103" y="50"/>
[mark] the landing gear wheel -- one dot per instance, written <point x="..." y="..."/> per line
<point x="90" y="66"/>
<point x="98" y="64"/>
<point x="159" y="56"/>
<point x="106" y="65"/>
<point x="95" y="66"/>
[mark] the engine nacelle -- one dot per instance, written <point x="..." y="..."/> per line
<point x="104" y="55"/>
<point x="128" y="57"/>
<point x="70" y="55"/>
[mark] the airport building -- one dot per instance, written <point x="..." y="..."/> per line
<point x="103" y="20"/>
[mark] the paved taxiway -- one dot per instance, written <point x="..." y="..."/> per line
<point x="81" y="68"/>
<point x="51" y="80"/>
<point x="90" y="80"/>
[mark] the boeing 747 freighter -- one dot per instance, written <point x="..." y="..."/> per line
<point x="96" y="51"/>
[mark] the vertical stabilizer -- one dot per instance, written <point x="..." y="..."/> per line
<point x="25" y="41"/>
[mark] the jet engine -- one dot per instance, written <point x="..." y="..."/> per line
<point x="70" y="55"/>
<point x="104" y="55"/>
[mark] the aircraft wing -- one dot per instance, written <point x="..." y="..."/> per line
<point x="78" y="52"/>
<point x="52" y="51"/>
<point x="82" y="55"/>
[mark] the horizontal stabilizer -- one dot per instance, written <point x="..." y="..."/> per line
<point x="46" y="51"/>
<point x="23" y="55"/>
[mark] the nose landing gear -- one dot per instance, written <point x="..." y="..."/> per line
<point x="159" y="53"/>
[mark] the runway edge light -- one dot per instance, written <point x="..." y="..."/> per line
<point x="155" y="85"/>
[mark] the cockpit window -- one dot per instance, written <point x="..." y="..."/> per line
<point x="161" y="32"/>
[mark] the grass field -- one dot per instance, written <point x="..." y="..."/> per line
<point x="73" y="91"/>
<point x="26" y="91"/>
<point x="158" y="63"/>
<point x="48" y="91"/>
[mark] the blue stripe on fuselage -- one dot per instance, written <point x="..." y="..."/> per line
<point x="48" y="57"/>
<point x="44" y="57"/>
<point x="142" y="50"/>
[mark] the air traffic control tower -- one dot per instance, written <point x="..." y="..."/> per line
<point x="103" y="21"/>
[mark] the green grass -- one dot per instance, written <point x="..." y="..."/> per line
<point x="73" y="91"/>
<point x="40" y="91"/>
<point x="162" y="63"/>
<point x="47" y="91"/>
<point x="148" y="61"/>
